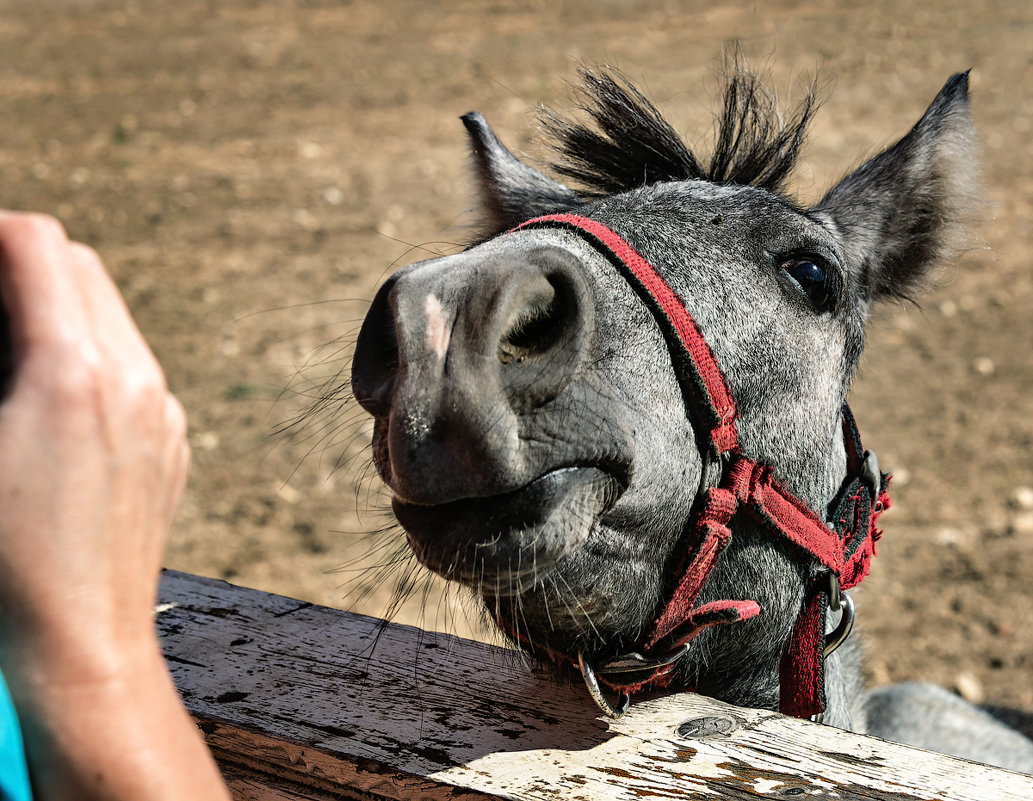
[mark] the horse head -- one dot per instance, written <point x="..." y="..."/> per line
<point x="545" y="444"/>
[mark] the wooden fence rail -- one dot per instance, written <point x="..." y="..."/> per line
<point x="302" y="702"/>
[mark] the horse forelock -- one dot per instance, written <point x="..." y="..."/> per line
<point x="628" y="144"/>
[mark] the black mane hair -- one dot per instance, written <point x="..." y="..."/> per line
<point x="632" y="145"/>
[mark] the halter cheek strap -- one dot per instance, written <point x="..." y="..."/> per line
<point x="841" y="551"/>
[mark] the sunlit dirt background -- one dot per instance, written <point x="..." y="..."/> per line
<point x="251" y="170"/>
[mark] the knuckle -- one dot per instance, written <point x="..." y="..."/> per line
<point x="175" y="417"/>
<point x="143" y="387"/>
<point x="36" y="226"/>
<point x="76" y="365"/>
<point x="85" y="254"/>
<point x="75" y="378"/>
<point x="79" y="369"/>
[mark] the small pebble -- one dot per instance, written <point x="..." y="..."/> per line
<point x="288" y="493"/>
<point x="1023" y="497"/>
<point x="206" y="441"/>
<point x="969" y="687"/>
<point x="947" y="537"/>
<point x="310" y="150"/>
<point x="984" y="366"/>
<point x="306" y="220"/>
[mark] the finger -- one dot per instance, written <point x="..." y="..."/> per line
<point x="39" y="293"/>
<point x="116" y="331"/>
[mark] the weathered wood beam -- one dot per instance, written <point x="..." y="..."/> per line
<point x="300" y="701"/>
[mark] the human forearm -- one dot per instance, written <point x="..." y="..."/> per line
<point x="103" y="728"/>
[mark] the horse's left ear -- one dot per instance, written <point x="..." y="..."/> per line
<point x="510" y="191"/>
<point x="905" y="211"/>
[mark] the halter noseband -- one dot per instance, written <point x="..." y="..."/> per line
<point x="842" y="550"/>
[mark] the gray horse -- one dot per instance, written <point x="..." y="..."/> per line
<point x="623" y="426"/>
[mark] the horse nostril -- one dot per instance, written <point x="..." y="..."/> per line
<point x="540" y="322"/>
<point x="375" y="363"/>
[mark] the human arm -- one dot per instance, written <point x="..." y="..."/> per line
<point x="93" y="460"/>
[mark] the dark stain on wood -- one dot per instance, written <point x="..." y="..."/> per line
<point x="851" y="759"/>
<point x="221" y="612"/>
<point x="298" y="608"/>
<point x="437" y="756"/>
<point x="743" y="781"/>
<point x="336" y="731"/>
<point x="230" y="697"/>
<point x="181" y="661"/>
<point x="207" y="727"/>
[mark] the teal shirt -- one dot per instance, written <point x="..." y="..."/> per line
<point x="14" y="776"/>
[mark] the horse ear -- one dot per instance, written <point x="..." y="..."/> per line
<point x="510" y="191"/>
<point x="905" y="210"/>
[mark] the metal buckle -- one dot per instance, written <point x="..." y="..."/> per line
<point x="622" y="666"/>
<point x="871" y="476"/>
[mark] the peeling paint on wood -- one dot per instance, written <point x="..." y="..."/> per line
<point x="299" y="701"/>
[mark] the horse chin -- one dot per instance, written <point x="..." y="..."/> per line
<point x="505" y="544"/>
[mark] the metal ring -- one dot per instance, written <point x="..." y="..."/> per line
<point x="597" y="694"/>
<point x="834" y="593"/>
<point x="846" y="623"/>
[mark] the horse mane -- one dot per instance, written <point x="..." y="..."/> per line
<point x="631" y="145"/>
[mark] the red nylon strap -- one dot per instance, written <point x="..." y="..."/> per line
<point x="782" y="513"/>
<point x="715" y="613"/>
<point x="750" y="486"/>
<point x="800" y="673"/>
<point x="713" y="538"/>
<point x="858" y="512"/>
<point x="700" y="358"/>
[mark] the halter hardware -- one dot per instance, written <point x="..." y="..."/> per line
<point x="634" y="662"/>
<point x="838" y="602"/>
<point x="594" y="690"/>
<point x="625" y="668"/>
<point x="842" y="547"/>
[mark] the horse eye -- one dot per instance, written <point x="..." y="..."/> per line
<point x="812" y="276"/>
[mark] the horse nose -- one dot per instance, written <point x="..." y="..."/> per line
<point x="518" y="321"/>
<point x="454" y="351"/>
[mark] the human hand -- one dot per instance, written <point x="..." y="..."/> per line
<point x="93" y="460"/>
<point x="93" y="454"/>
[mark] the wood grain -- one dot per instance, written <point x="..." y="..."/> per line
<point x="300" y="701"/>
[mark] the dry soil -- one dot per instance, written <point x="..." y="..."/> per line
<point x="251" y="170"/>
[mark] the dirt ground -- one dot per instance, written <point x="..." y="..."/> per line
<point x="251" y="170"/>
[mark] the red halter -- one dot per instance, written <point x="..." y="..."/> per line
<point x="842" y="551"/>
